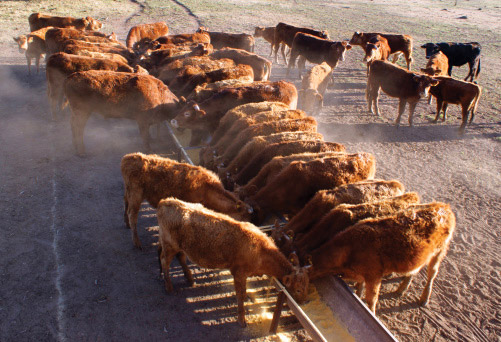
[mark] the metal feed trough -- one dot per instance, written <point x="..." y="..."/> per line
<point x="348" y="310"/>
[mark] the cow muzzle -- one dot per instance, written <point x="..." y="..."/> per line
<point x="174" y="123"/>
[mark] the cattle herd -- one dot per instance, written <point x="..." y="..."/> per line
<point x="262" y="158"/>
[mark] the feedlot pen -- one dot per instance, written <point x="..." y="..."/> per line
<point x="349" y="313"/>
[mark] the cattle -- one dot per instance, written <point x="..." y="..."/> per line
<point x="399" y="44"/>
<point x="279" y="197"/>
<point x="376" y="49"/>
<point x="437" y="65"/>
<point x="260" y="65"/>
<point x="244" y="122"/>
<point x="284" y="33"/>
<point x="156" y="60"/>
<point x="273" y="167"/>
<point x="283" y="149"/>
<point x="151" y="31"/>
<point x="345" y="215"/>
<point x="326" y="200"/>
<point x="106" y="55"/>
<point x="57" y="38"/>
<point x="200" y="63"/>
<point x="204" y="91"/>
<point x="185" y="83"/>
<point x="397" y="82"/>
<point x="267" y="33"/>
<point x="206" y="115"/>
<point x="184" y="38"/>
<point x="221" y="40"/>
<point x="235" y="162"/>
<point x="33" y="46"/>
<point x="214" y="240"/>
<point x="458" y="54"/>
<point x="142" y="98"/>
<point x="307" y="124"/>
<point x="60" y="65"/>
<point x="313" y="87"/>
<point x="151" y="178"/>
<point x="243" y="111"/>
<point x="375" y="247"/>
<point x="38" y="21"/>
<point x="73" y="46"/>
<point x="465" y="94"/>
<point x="316" y="50"/>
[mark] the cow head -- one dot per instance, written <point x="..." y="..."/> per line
<point x="324" y="34"/>
<point x="203" y="29"/>
<point x="297" y="283"/>
<point x="22" y="42"/>
<point x="258" y="31"/>
<point x="190" y="116"/>
<point x="140" y="70"/>
<point x="423" y="84"/>
<point x="357" y="38"/>
<point x="430" y="49"/>
<point x="92" y="24"/>
<point x="431" y="72"/>
<point x="310" y="100"/>
<point x="243" y="211"/>
<point x="371" y="52"/>
<point x="337" y="52"/>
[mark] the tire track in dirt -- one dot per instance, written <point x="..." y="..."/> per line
<point x="188" y="11"/>
<point x="142" y="7"/>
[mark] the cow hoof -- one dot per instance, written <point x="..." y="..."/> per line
<point x="435" y="121"/>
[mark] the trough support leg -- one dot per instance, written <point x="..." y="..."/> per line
<point x="277" y="313"/>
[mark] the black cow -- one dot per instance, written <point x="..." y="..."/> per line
<point x="458" y="54"/>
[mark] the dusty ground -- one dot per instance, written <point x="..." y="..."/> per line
<point x="68" y="268"/>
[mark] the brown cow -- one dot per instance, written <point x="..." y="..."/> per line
<point x="285" y="33"/>
<point x="244" y="122"/>
<point x="151" y="31"/>
<point x="221" y="40"/>
<point x="106" y="55"/>
<point x="279" y="197"/>
<point x="33" y="46"/>
<point x="204" y="91"/>
<point x="260" y="65"/>
<point x="437" y="65"/>
<point x="186" y="82"/>
<point x="316" y="50"/>
<point x="73" y="46"/>
<point x="465" y="94"/>
<point x="142" y="98"/>
<point x="399" y="44"/>
<point x="326" y="200"/>
<point x="56" y="38"/>
<point x="257" y="143"/>
<point x="199" y="63"/>
<point x="184" y="38"/>
<point x="206" y="115"/>
<point x="214" y="240"/>
<point x="151" y="178"/>
<point x="376" y="49"/>
<point x="376" y="247"/>
<point x="38" y="21"/>
<point x="313" y="87"/>
<point x="60" y="65"/>
<point x="345" y="215"/>
<point x="282" y="149"/>
<point x="155" y="60"/>
<point x="397" y="82"/>
<point x="267" y="33"/>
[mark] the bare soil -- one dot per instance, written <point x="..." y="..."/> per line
<point x="68" y="267"/>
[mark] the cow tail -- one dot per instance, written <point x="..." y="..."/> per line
<point x="478" y="68"/>
<point x="267" y="73"/>
<point x="473" y="105"/>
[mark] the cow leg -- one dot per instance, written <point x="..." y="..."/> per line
<point x="181" y="257"/>
<point x="471" y="73"/>
<point x="432" y="271"/>
<point x="412" y="107"/>
<point x="271" y="50"/>
<point x="408" y="60"/>
<point x="396" y="56"/>
<point x="282" y="49"/>
<point x="126" y="209"/>
<point x="56" y="98"/>
<point x="404" y="285"/>
<point x="292" y="62"/>
<point x="429" y="99"/>
<point x="134" y="199"/>
<point x="464" y="118"/>
<point x="144" y="130"/>
<point x="372" y="293"/>
<point x="28" y="61"/>
<point x="276" y="47"/>
<point x="166" y="255"/>
<point x="439" y="109"/>
<point x="240" y="281"/>
<point x="78" y="120"/>
<point x="444" y="109"/>
<point x="37" y="60"/>
<point x="401" y="109"/>
<point x="449" y="70"/>
<point x="300" y="65"/>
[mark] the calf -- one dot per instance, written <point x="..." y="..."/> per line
<point x="183" y="38"/>
<point x="245" y="122"/>
<point x="316" y="50"/>
<point x="168" y="72"/>
<point x="258" y="143"/>
<point x="279" y="197"/>
<point x="33" y="46"/>
<point x="38" y="21"/>
<point x="206" y="115"/>
<point x="56" y="38"/>
<point x="450" y="90"/>
<point x="156" y="60"/>
<point x="376" y="49"/>
<point x="345" y="215"/>
<point x="260" y="65"/>
<point x="313" y="86"/>
<point x="397" y="82"/>
<point x="184" y="84"/>
<point x="307" y="124"/>
<point x="285" y="33"/>
<point x="221" y="40"/>
<point x="267" y="33"/>
<point x="204" y="91"/>
<point x="399" y="44"/>
<point x="282" y="149"/>
<point x="151" y="178"/>
<point x="402" y="243"/>
<point x="60" y="65"/>
<point x="150" y="31"/>
<point x="142" y="98"/>
<point x="73" y="46"/>
<point x="214" y="240"/>
<point x="106" y="55"/>
<point x="437" y="65"/>
<point x="458" y="54"/>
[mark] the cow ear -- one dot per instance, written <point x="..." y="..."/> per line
<point x="287" y="280"/>
<point x="182" y="100"/>
<point x="201" y="112"/>
<point x="30" y="39"/>
<point x="434" y="82"/>
<point x="319" y="96"/>
<point x="423" y="46"/>
<point x="348" y="47"/>
<point x="16" y="39"/>
<point x="357" y="33"/>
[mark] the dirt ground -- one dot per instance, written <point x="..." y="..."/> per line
<point x="68" y="267"/>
